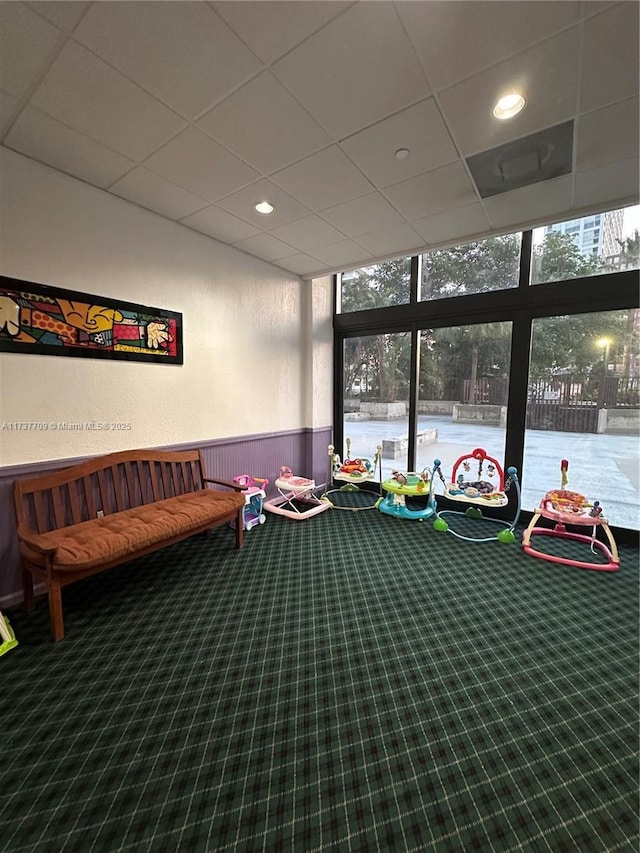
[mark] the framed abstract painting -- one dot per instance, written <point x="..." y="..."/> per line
<point x="43" y="320"/>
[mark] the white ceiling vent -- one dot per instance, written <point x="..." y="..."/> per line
<point x="539" y="157"/>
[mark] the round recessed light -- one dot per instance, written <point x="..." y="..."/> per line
<point x="401" y="154"/>
<point x="264" y="207"/>
<point x="508" y="106"/>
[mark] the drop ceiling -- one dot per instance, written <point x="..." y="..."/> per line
<point x="197" y="111"/>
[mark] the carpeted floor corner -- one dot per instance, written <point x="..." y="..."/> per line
<point x="351" y="682"/>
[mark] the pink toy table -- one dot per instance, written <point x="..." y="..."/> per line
<point x="578" y="513"/>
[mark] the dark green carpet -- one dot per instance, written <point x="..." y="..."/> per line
<point x="352" y="682"/>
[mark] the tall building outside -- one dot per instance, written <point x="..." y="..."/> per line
<point x="597" y="234"/>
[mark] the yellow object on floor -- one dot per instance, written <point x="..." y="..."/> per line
<point x="7" y="635"/>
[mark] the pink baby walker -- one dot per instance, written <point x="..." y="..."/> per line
<point x="298" y="500"/>
<point x="567" y="507"/>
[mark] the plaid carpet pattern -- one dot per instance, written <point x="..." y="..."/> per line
<point x="351" y="682"/>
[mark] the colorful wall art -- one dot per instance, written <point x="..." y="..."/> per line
<point x="43" y="320"/>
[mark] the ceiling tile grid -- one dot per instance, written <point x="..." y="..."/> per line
<point x="353" y="119"/>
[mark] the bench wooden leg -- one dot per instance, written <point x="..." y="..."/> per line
<point x="55" y="611"/>
<point x="27" y="590"/>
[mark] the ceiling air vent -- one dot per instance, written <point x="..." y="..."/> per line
<point x="539" y="157"/>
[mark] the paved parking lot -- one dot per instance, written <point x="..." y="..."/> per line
<point x="602" y="467"/>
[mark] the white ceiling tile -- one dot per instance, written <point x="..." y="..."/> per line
<point x="420" y="129"/>
<point x="206" y="59"/>
<point x="368" y="213"/>
<point x="398" y="238"/>
<point x="346" y="252"/>
<point x="264" y="125"/>
<point x="452" y="224"/>
<point x="47" y="140"/>
<point x="442" y="189"/>
<point x="300" y="264"/>
<point x="8" y="107"/>
<point x="27" y="45"/>
<point x="456" y="40"/>
<point x="546" y="75"/>
<point x="307" y="233"/>
<point x="356" y="70"/>
<point x="220" y="225"/>
<point x="608" y="134"/>
<point x="530" y="203"/>
<point x="63" y="13"/>
<point x="617" y="182"/>
<point x="198" y="164"/>
<point x="324" y="179"/>
<point x="153" y="192"/>
<point x="243" y="202"/>
<point x="85" y="93"/>
<point x="610" y="62"/>
<point x="271" y="29"/>
<point x="265" y="246"/>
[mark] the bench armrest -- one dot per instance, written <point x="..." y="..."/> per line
<point x="227" y="483"/>
<point x="35" y="541"/>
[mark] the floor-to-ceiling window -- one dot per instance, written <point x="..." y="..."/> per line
<point x="526" y="344"/>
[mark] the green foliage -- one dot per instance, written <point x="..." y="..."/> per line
<point x="477" y="267"/>
<point x="377" y="287"/>
<point x="564" y="344"/>
<point x="558" y="258"/>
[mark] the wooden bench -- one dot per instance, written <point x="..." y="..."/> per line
<point x="109" y="510"/>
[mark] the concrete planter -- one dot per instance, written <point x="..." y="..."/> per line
<point x="468" y="413"/>
<point x="385" y="411"/>
<point x="392" y="448"/>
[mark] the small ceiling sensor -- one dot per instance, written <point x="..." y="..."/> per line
<point x="401" y="154"/>
<point x="508" y="106"/>
<point x="264" y="207"/>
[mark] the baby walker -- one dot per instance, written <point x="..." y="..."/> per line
<point x="477" y="494"/>
<point x="567" y="507"/>
<point x="353" y="473"/>
<point x="253" y="489"/>
<point x="295" y="492"/>
<point x="409" y="495"/>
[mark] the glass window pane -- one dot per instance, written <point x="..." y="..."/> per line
<point x="462" y="402"/>
<point x="376" y="394"/>
<point x="377" y="286"/>
<point x="584" y="406"/>
<point x="477" y="267"/>
<point x="601" y="243"/>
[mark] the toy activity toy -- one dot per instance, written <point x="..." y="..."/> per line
<point x="295" y="492"/>
<point x="7" y="636"/>
<point x="478" y="493"/>
<point x="409" y="495"/>
<point x="254" y="496"/>
<point x="353" y="473"/>
<point x="567" y="507"/>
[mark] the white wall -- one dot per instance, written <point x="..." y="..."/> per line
<point x="246" y="346"/>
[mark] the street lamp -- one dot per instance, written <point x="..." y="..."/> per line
<point x="605" y="343"/>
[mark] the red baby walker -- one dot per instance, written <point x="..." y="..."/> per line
<point x="571" y="508"/>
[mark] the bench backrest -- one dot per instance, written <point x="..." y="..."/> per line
<point x="106" y="484"/>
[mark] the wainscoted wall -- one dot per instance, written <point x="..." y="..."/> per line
<point x="303" y="450"/>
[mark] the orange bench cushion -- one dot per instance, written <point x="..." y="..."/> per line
<point x="113" y="537"/>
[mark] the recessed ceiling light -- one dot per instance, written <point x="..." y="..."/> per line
<point x="401" y="154"/>
<point x="508" y="106"/>
<point x="264" y="207"/>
